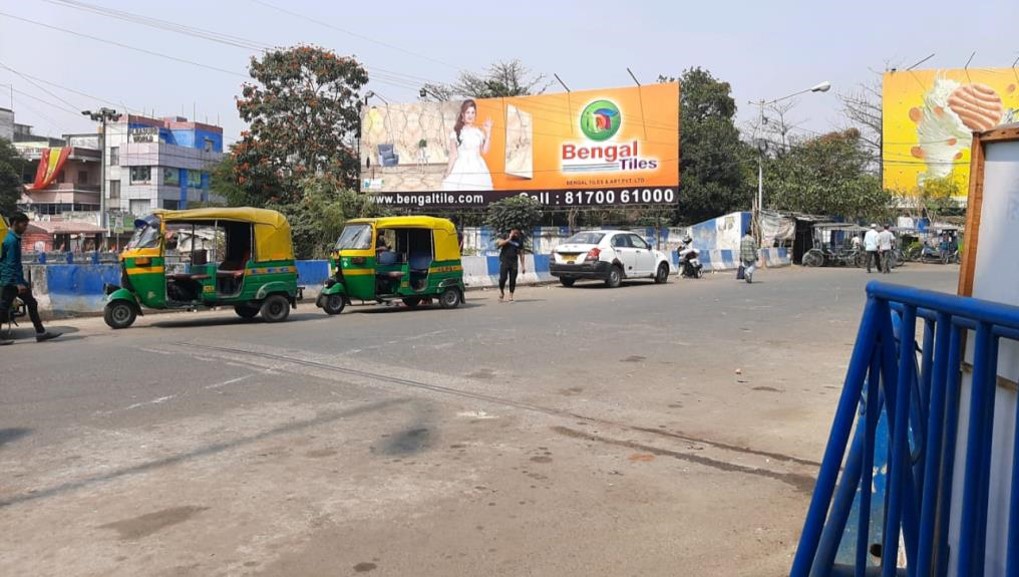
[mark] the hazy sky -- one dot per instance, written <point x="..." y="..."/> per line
<point x="764" y="49"/>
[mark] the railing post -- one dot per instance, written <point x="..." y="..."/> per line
<point x="935" y="431"/>
<point x="1012" y="562"/>
<point x="971" y="559"/>
<point x="897" y="475"/>
<point x="837" y="440"/>
<point x="869" y="439"/>
<point x="953" y="393"/>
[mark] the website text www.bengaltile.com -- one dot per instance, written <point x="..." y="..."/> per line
<point x="429" y="199"/>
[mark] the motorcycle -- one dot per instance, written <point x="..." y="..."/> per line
<point x="689" y="265"/>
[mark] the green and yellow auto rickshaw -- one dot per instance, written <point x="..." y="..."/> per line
<point x="211" y="257"/>
<point x="406" y="258"/>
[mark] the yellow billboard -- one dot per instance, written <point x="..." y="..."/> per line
<point x="612" y="146"/>
<point x="929" y="117"/>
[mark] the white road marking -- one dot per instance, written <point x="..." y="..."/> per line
<point x="230" y="382"/>
<point x="152" y="402"/>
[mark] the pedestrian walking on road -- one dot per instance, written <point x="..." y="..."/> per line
<point x="748" y="255"/>
<point x="870" y="244"/>
<point x="13" y="283"/>
<point x="511" y="250"/>
<point x="886" y="242"/>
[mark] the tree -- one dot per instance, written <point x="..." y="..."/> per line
<point x="863" y="108"/>
<point x="827" y="175"/>
<point x="303" y="113"/>
<point x="318" y="215"/>
<point x="514" y="212"/>
<point x="223" y="181"/>
<point x="713" y="160"/>
<point x="12" y="166"/>
<point x="501" y="79"/>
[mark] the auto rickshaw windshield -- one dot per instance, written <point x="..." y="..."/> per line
<point x="355" y="237"/>
<point x="145" y="236"/>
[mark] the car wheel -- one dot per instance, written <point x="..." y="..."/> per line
<point x="567" y="282"/>
<point x="246" y="312"/>
<point x="412" y="302"/>
<point x="615" y="277"/>
<point x="275" y="309"/>
<point x="450" y="298"/>
<point x="662" y="276"/>
<point x="333" y="304"/>
<point x="119" y="315"/>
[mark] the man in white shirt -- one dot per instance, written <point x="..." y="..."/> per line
<point x="885" y="241"/>
<point x="870" y="243"/>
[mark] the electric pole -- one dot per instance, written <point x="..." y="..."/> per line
<point x="102" y="116"/>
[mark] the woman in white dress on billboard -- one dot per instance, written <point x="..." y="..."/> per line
<point x="467" y="143"/>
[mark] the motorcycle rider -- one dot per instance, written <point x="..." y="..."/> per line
<point x="689" y="265"/>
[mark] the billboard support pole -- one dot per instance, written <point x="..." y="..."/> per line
<point x="569" y="102"/>
<point x="640" y="97"/>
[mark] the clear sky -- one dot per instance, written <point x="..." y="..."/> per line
<point x="764" y="49"/>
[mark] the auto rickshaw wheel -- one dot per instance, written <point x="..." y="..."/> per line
<point x="119" y="314"/>
<point x="450" y="298"/>
<point x="334" y="304"/>
<point x="275" y="309"/>
<point x="412" y="302"/>
<point x="567" y="281"/>
<point x="246" y="311"/>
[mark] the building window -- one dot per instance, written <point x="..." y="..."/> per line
<point x="194" y="179"/>
<point x="82" y="177"/>
<point x="208" y="145"/>
<point x="114" y="189"/>
<point x="140" y="207"/>
<point x="114" y="155"/>
<point x="141" y="174"/>
<point x="171" y="176"/>
<point x="63" y="176"/>
<point x="171" y="204"/>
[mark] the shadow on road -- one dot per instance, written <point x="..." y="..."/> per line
<point x="198" y="453"/>
<point x="227" y="321"/>
<point x="13" y="434"/>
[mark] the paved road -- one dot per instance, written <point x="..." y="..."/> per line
<point x="648" y="430"/>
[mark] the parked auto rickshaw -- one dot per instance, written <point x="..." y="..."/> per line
<point x="406" y="258"/>
<point x="211" y="257"/>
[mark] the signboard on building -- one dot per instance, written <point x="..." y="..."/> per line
<point x="608" y="147"/>
<point x="143" y="134"/>
<point x="929" y="117"/>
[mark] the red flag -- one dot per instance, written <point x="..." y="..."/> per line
<point x="50" y="163"/>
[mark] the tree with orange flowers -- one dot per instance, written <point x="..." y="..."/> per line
<point x="302" y="108"/>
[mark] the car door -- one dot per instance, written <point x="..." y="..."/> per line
<point x="626" y="254"/>
<point x="644" y="256"/>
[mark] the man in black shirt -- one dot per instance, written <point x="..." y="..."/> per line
<point x="511" y="249"/>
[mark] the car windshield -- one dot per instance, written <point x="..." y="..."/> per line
<point x="355" y="237"/>
<point x="145" y="236"/>
<point x="585" y="238"/>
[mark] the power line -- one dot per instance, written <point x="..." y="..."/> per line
<point x="42" y="101"/>
<point x="44" y="89"/>
<point x="354" y="34"/>
<point x="122" y="45"/>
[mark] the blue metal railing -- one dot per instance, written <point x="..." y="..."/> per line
<point x="919" y="399"/>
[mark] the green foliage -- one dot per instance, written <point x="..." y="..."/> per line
<point x="11" y="167"/>
<point x="514" y="212"/>
<point x="223" y="181"/>
<point x="318" y="215"/>
<point x="303" y="111"/>
<point x="713" y="160"/>
<point x="827" y="175"/>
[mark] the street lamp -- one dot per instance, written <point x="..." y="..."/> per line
<point x="819" y="87"/>
<point x="102" y="116"/>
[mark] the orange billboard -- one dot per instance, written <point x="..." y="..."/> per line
<point x="617" y="146"/>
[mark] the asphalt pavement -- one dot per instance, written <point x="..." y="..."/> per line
<point x="646" y="430"/>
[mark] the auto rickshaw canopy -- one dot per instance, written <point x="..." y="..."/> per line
<point x="447" y="244"/>
<point x="273" y="239"/>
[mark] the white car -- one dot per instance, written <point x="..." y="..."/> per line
<point x="609" y="256"/>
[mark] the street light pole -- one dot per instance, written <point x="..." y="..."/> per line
<point x="821" y="87"/>
<point x="102" y="116"/>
